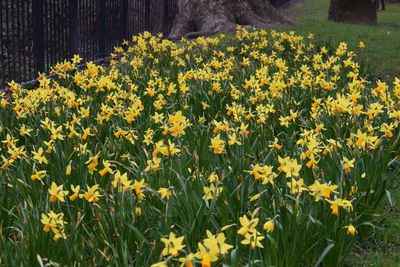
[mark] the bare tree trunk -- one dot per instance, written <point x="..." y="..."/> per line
<point x="207" y="17"/>
<point x="353" y="11"/>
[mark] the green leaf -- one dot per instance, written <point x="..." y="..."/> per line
<point x="322" y="256"/>
<point x="138" y="233"/>
<point x="390" y="199"/>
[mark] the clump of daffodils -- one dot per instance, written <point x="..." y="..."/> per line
<point x="266" y="146"/>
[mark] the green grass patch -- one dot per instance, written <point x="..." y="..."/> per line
<point x="382" y="247"/>
<point x="382" y="51"/>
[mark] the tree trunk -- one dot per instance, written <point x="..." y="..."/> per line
<point x="207" y="17"/>
<point x="353" y="11"/>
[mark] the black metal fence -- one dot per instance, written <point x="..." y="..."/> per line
<point x="36" y="34"/>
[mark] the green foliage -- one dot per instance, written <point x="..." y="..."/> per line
<point x="263" y="149"/>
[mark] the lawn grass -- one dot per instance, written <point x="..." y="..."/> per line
<point x="382" y="55"/>
<point x="382" y="248"/>
<point x="382" y="52"/>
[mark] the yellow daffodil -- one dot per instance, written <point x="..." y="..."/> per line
<point x="92" y="193"/>
<point x="247" y="226"/>
<point x="55" y="223"/>
<point x="218" y="145"/>
<point x="57" y="192"/>
<point x="335" y="204"/>
<point x="351" y="230"/>
<point x="75" y="191"/>
<point x="39" y="175"/>
<point x="39" y="156"/>
<point x="173" y="245"/>
<point x="269" y="226"/>
<point x="211" y="191"/>
<point x="347" y="164"/>
<point x="106" y="169"/>
<point x="165" y="192"/>
<point x="296" y="186"/>
<point x="253" y="240"/>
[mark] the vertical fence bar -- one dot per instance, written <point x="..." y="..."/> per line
<point x="81" y="26"/>
<point x="129" y="20"/>
<point x="15" y="40"/>
<point x="124" y="19"/>
<point x="73" y="27"/>
<point x="38" y="35"/>
<point x="101" y="34"/>
<point x="47" y="31"/>
<point x="140" y="12"/>
<point x="2" y="78"/>
<point x="24" y="18"/>
<point x="8" y="40"/>
<point x="21" y="60"/>
<point x="29" y="29"/>
<point x="108" y="22"/>
<point x="141" y="15"/>
<point x="64" y="33"/>
<point x="166" y="18"/>
<point x="93" y="20"/>
<point x="109" y="26"/>
<point x="147" y="15"/>
<point x="48" y="18"/>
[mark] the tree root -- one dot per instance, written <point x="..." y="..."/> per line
<point x="208" y="17"/>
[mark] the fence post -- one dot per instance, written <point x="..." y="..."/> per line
<point x="2" y="63"/>
<point x="124" y="19"/>
<point x="38" y="35"/>
<point x="166" y="18"/>
<point x="102" y="27"/>
<point x="147" y="15"/>
<point x="73" y="27"/>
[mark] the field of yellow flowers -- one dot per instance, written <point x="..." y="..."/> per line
<point x="264" y="149"/>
